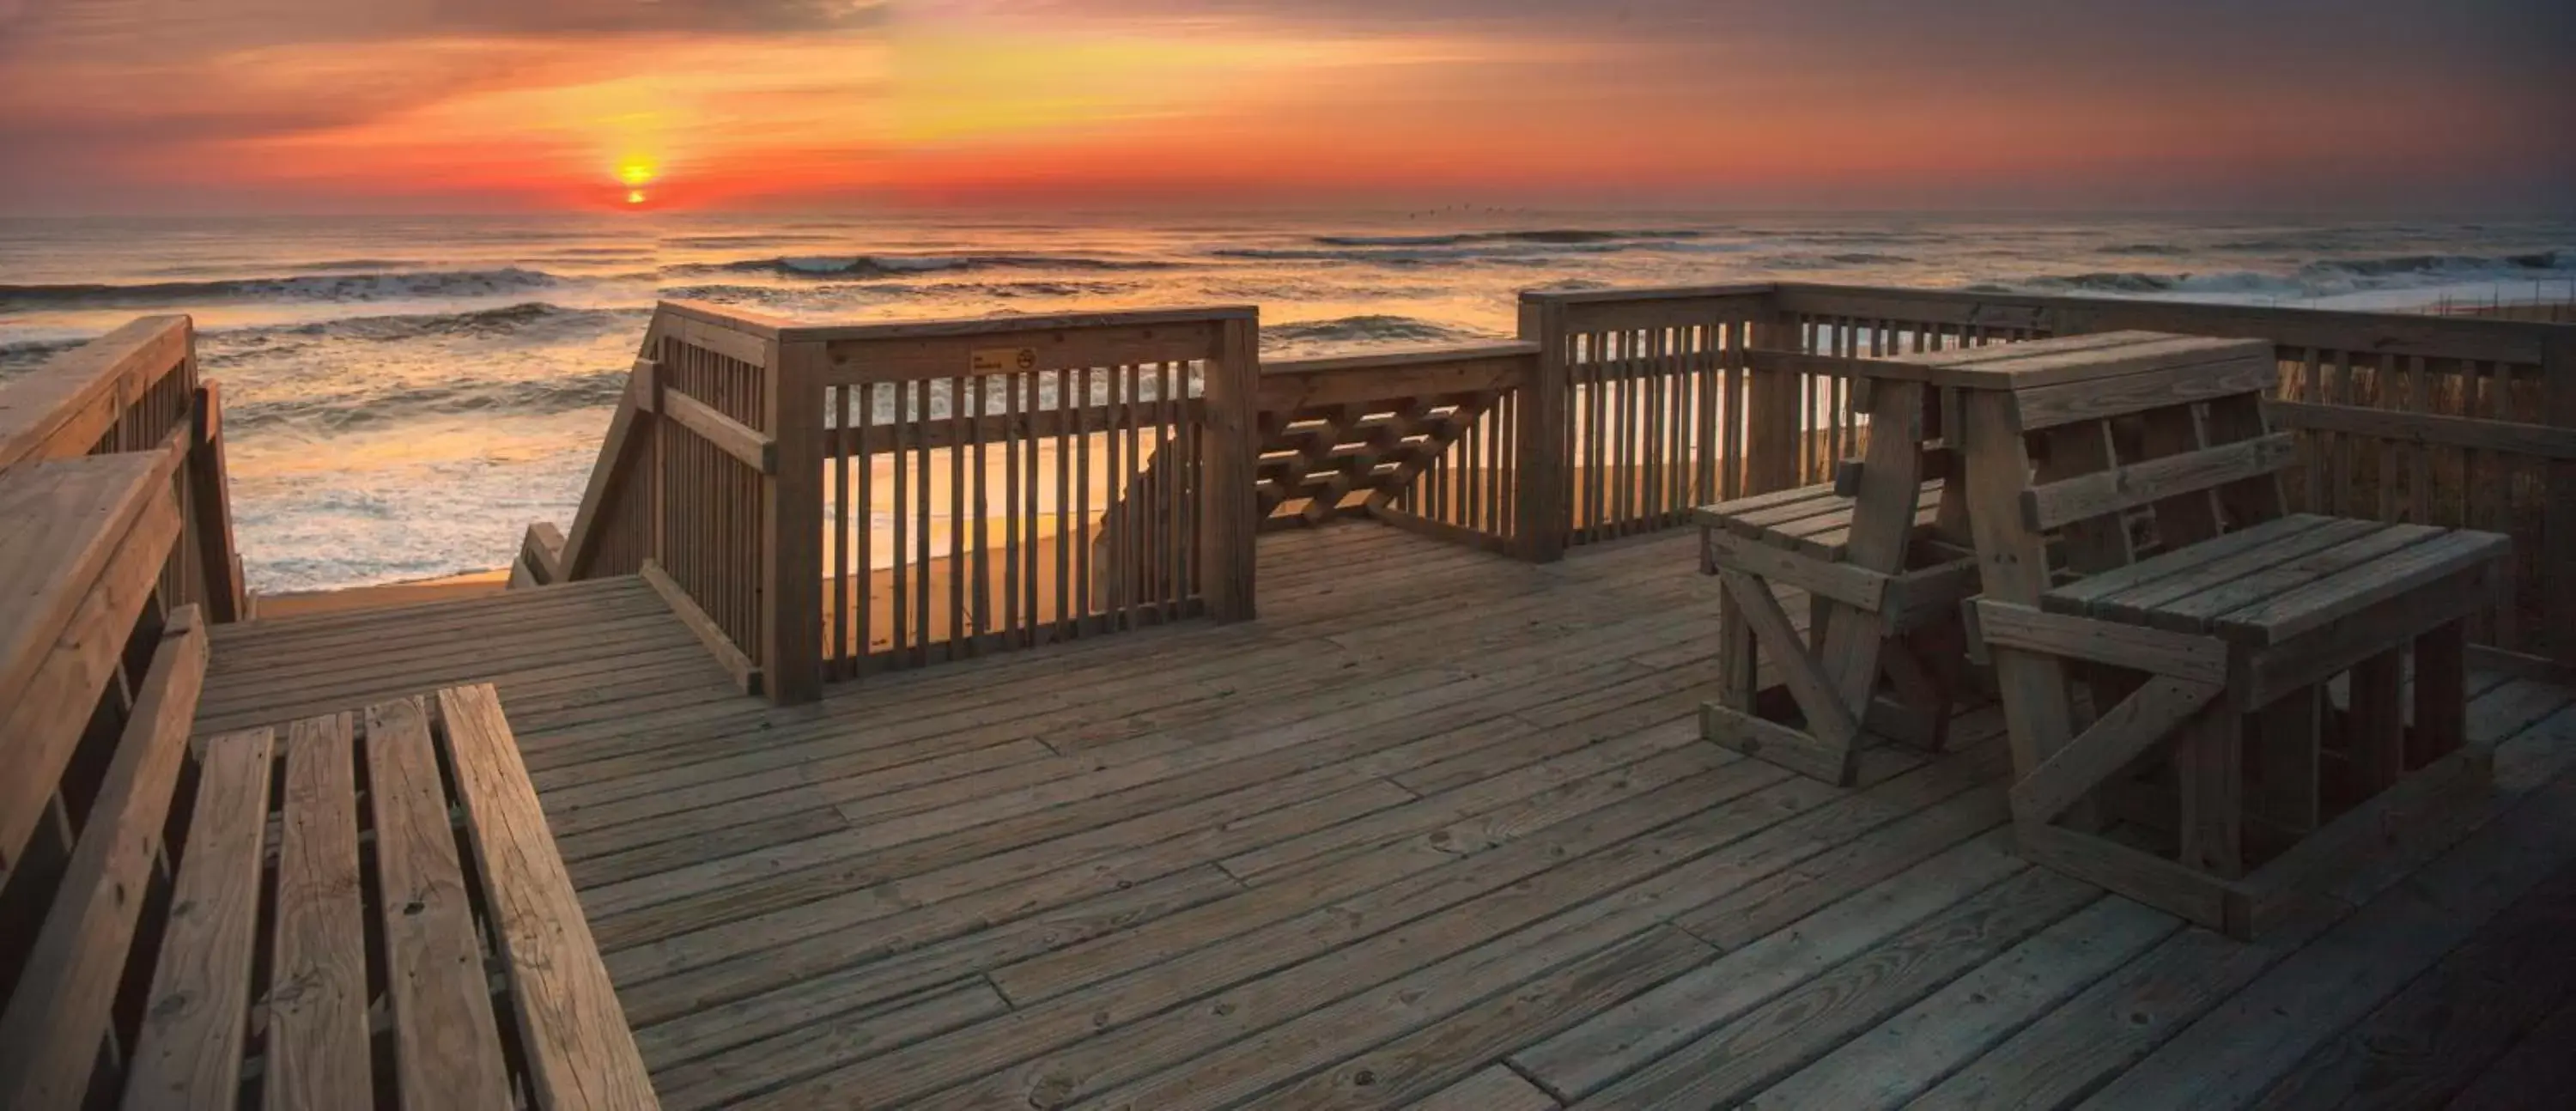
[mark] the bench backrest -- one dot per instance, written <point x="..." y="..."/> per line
<point x="98" y="685"/>
<point x="2124" y="425"/>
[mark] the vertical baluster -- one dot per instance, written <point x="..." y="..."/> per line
<point x="1167" y="466"/>
<point x="867" y="512"/>
<point x="1011" y="506"/>
<point x="1805" y="442"/>
<point x="1024" y="432"/>
<point x="1149" y="461"/>
<point x="2385" y="395"/>
<point x="1836" y="340"/>
<point x="1490" y="516"/>
<point x="969" y="529"/>
<point x="1730" y="410"/>
<point x="1436" y="483"/>
<point x="1650" y="381"/>
<point x="1185" y="577"/>
<point x="836" y="399"/>
<point x="1081" y="596"/>
<point x="1614" y="441"/>
<point x="1654" y="385"/>
<point x="2340" y="392"/>
<point x="957" y="637"/>
<point x="1679" y="363"/>
<point x="1131" y="540"/>
<point x="2314" y="444"/>
<point x="1149" y="590"/>
<point x="924" y="508"/>
<point x="1581" y="437"/>
<point x="1471" y="465"/>
<point x="2419" y="378"/>
<point x="2496" y="494"/>
<point x="1113" y="507"/>
<point x="1064" y="412"/>
<point x="900" y="647"/>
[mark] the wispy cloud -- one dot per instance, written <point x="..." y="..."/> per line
<point x="124" y="103"/>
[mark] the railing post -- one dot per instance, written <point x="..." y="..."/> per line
<point x="2558" y="525"/>
<point x="1539" y="437"/>
<point x="208" y="496"/>
<point x="791" y="519"/>
<point x="1229" y="503"/>
<point x="1773" y="423"/>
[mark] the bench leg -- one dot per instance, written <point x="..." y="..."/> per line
<point x="1824" y="745"/>
<point x="1738" y="665"/>
<point x="1921" y="698"/>
<point x="2209" y="761"/>
<point x="2281" y="765"/>
<point x="2376" y="725"/>
<point x="2441" y="695"/>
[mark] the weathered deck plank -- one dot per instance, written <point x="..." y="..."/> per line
<point x="1436" y="827"/>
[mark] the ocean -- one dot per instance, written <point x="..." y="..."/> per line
<point x="403" y="395"/>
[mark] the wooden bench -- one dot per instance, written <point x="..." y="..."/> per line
<point x="2195" y="762"/>
<point x="1881" y="554"/>
<point x="364" y="909"/>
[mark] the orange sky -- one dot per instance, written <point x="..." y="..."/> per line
<point x="185" y="105"/>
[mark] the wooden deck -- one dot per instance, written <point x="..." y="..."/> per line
<point x="1437" y="827"/>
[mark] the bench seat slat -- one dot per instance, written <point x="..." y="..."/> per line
<point x="2330" y="597"/>
<point x="447" y="1046"/>
<point x="2200" y="612"/>
<point x="58" y="1014"/>
<point x="189" y="1051"/>
<point x="580" y="1052"/>
<point x="317" y="1013"/>
<point x="2139" y="603"/>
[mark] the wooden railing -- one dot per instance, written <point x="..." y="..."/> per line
<point x="966" y="500"/>
<point x="1424" y="440"/>
<point x="689" y="493"/>
<point x="136" y="389"/>
<point x="115" y="549"/>
<point x="1010" y="482"/>
<point x="820" y="502"/>
<point x="1651" y="405"/>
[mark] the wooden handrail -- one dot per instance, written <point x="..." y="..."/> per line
<point x="2457" y="337"/>
<point x="1701" y="392"/>
<point x="1394" y="375"/>
<point x="136" y="389"/>
<point x="64" y="407"/>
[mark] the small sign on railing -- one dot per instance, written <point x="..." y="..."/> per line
<point x="1002" y="360"/>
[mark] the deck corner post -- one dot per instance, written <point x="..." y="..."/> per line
<point x="791" y="513"/>
<point x="2558" y="527"/>
<point x="1539" y="437"/>
<point x="1229" y="503"/>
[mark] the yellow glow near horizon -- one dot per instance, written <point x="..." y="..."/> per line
<point x="635" y="171"/>
<point x="634" y="196"/>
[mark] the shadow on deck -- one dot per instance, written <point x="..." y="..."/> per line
<point x="1437" y="826"/>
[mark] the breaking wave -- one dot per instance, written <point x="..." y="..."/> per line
<point x="1363" y="330"/>
<point x="2324" y="277"/>
<point x="351" y="408"/>
<point x="886" y="266"/>
<point x="533" y="319"/>
<point x="378" y="286"/>
<point x="1480" y="247"/>
<point x="1549" y="236"/>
